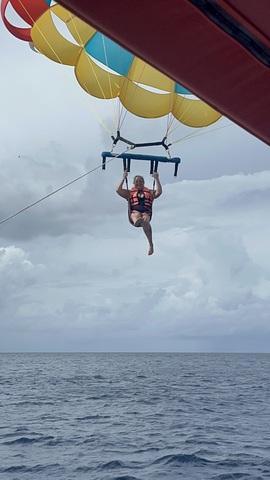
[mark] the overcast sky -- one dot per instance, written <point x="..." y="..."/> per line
<point x="75" y="275"/>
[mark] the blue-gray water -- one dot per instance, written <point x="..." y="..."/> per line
<point x="134" y="416"/>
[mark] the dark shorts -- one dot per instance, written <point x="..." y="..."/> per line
<point x="142" y="215"/>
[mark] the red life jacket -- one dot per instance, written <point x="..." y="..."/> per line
<point x="134" y="200"/>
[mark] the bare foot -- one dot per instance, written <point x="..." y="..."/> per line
<point x="151" y="249"/>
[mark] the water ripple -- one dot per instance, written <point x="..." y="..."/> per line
<point x="110" y="416"/>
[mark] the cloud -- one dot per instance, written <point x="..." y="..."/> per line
<point x="18" y="275"/>
<point x="204" y="280"/>
<point x="76" y="275"/>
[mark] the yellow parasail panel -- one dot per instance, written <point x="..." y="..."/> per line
<point x="142" y="102"/>
<point x="141" y="72"/>
<point x="50" y="42"/>
<point x="193" y="113"/>
<point x="95" y="80"/>
<point x="81" y="31"/>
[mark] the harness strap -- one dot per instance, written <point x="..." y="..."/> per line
<point x="154" y="167"/>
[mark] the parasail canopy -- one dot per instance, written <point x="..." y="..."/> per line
<point x="103" y="68"/>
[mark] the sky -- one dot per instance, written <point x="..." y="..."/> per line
<point x="75" y="275"/>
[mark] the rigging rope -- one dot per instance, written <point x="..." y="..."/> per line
<point x="55" y="191"/>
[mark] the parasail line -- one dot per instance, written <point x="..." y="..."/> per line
<point x="200" y="132"/>
<point x="43" y="36"/>
<point x="100" y="120"/>
<point x="109" y="79"/>
<point x="58" y="189"/>
<point x="131" y="99"/>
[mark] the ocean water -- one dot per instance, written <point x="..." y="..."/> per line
<point x="141" y="416"/>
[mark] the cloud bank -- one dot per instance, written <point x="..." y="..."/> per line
<point x="78" y="275"/>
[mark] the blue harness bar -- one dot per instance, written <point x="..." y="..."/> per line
<point x="153" y="159"/>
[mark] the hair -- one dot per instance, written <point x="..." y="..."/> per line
<point x="138" y="176"/>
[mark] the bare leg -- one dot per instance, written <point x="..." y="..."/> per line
<point x="139" y="221"/>
<point x="148" y="232"/>
<point x="136" y="219"/>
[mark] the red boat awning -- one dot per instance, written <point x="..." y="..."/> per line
<point x="217" y="50"/>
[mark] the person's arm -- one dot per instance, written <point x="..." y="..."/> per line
<point x="123" y="192"/>
<point x="158" y="187"/>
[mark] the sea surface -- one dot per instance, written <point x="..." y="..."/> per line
<point x="140" y="416"/>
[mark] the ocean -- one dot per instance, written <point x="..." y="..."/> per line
<point x="134" y="416"/>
